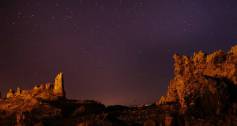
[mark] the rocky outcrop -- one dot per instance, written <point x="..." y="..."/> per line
<point x="203" y="92"/>
<point x="58" y="87"/>
<point x="41" y="91"/>
<point x="205" y="82"/>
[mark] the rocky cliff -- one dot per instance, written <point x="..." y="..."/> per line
<point x="204" y="85"/>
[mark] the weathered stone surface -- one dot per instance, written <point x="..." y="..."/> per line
<point x="58" y="88"/>
<point x="42" y="91"/>
<point x="203" y="81"/>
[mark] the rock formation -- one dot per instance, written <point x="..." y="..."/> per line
<point x="58" y="89"/>
<point x="207" y="82"/>
<point x="203" y="92"/>
<point x="42" y="91"/>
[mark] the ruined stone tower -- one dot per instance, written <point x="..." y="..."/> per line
<point x="58" y="87"/>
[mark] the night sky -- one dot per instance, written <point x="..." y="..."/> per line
<point x="113" y="51"/>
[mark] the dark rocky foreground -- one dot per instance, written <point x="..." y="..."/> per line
<point x="85" y="113"/>
<point x="203" y="92"/>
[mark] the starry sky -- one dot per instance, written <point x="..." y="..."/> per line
<point x="113" y="51"/>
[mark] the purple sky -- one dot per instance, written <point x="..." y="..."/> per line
<point x="113" y="51"/>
